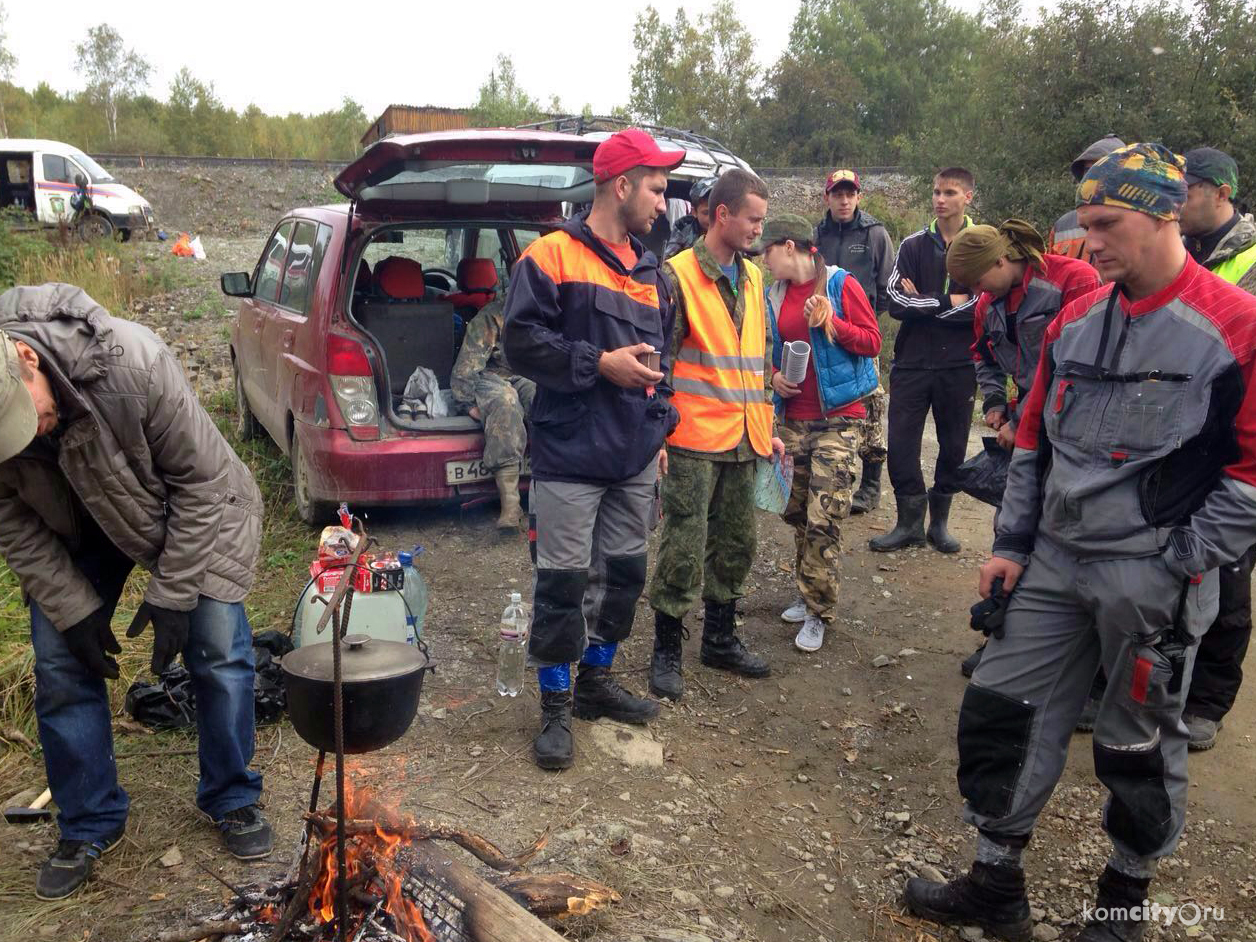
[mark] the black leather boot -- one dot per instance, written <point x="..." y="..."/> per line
<point x="938" y="536"/>
<point x="722" y="649"/>
<point x="598" y="695"/>
<point x="868" y="497"/>
<point x="987" y="896"/>
<point x="552" y="747"/>
<point x="666" y="677"/>
<point x="1118" y="894"/>
<point x="908" y="531"/>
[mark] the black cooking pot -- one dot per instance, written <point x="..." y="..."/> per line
<point x="381" y="684"/>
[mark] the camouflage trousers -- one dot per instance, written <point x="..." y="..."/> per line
<point x="872" y="446"/>
<point x="708" y="539"/>
<point x="824" y="453"/>
<point x="503" y="402"/>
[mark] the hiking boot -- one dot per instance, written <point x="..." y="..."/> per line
<point x="552" y="748"/>
<point x="868" y="497"/>
<point x="987" y="896"/>
<point x="796" y="614"/>
<point x="70" y="866"/>
<point x="246" y="833"/>
<point x="969" y="664"/>
<point x="1119" y="895"/>
<point x="1090" y="713"/>
<point x="810" y="635"/>
<point x="1203" y="732"/>
<point x="666" y="677"/>
<point x="909" y="530"/>
<point x="598" y="695"/>
<point x="938" y="536"/>
<point x="508" y="491"/>
<point x="722" y="649"/>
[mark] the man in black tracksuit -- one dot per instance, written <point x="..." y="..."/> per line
<point x="857" y="242"/>
<point x="932" y="370"/>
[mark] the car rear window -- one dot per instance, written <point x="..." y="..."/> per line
<point x="472" y="183"/>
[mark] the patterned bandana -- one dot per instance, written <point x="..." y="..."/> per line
<point x="1147" y="178"/>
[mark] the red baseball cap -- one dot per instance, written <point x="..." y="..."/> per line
<point x="630" y="148"/>
<point x="841" y="176"/>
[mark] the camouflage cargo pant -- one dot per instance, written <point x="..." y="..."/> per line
<point x="503" y="402"/>
<point x="824" y="453"/>
<point x="708" y="538"/>
<point x="872" y="446"/>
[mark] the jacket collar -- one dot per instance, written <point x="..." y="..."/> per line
<point x="860" y="220"/>
<point x="1238" y="235"/>
<point x="937" y="236"/>
<point x="578" y="228"/>
<point x="711" y="268"/>
<point x="1166" y="294"/>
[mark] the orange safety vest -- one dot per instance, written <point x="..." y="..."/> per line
<point x="718" y="376"/>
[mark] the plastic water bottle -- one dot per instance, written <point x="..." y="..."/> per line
<point x="414" y="591"/>
<point x="512" y="648"/>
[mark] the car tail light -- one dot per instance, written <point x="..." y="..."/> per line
<point x="353" y="384"/>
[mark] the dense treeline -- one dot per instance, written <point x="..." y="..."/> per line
<point x="865" y="82"/>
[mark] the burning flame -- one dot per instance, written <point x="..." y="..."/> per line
<point x="364" y="851"/>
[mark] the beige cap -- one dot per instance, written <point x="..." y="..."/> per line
<point x="18" y="420"/>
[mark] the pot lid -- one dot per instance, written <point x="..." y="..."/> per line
<point x="362" y="658"/>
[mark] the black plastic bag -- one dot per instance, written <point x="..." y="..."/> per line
<point x="984" y="475"/>
<point x="170" y="703"/>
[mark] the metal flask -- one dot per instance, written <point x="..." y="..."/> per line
<point x="381" y="684"/>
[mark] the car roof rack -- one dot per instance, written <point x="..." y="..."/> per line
<point x="581" y="124"/>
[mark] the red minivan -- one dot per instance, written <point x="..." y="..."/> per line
<point x="347" y="302"/>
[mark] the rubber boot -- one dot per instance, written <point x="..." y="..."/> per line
<point x="666" y="677"/>
<point x="969" y="664"/>
<point x="938" y="536"/>
<point x="1120" y="893"/>
<point x="597" y="696"/>
<point x="909" y="530"/>
<point x="992" y="897"/>
<point x="722" y="649"/>
<point x="868" y="497"/>
<point x="552" y="747"/>
<point x="508" y="489"/>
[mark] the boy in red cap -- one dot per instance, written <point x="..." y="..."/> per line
<point x="585" y="312"/>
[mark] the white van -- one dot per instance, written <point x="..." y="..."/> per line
<point x="42" y="176"/>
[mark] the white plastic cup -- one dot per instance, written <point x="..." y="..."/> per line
<point x="794" y="360"/>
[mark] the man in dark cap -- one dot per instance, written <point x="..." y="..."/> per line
<point x="1145" y="403"/>
<point x="1067" y="237"/>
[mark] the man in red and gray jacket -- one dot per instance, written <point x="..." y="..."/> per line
<point x="1133" y="480"/>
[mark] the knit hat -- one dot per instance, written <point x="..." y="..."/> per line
<point x="1147" y="178"/>
<point x="974" y="251"/>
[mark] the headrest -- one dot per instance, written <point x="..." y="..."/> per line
<point x="477" y="274"/>
<point x="400" y="278"/>
<point x="363" y="281"/>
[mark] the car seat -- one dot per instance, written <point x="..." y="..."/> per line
<point x="477" y="284"/>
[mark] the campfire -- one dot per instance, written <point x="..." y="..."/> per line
<point x="400" y="887"/>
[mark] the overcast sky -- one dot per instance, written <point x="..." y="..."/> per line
<point x="307" y="56"/>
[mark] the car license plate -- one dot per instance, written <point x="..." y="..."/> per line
<point x="469" y="472"/>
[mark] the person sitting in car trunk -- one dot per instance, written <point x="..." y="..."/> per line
<point x="499" y="399"/>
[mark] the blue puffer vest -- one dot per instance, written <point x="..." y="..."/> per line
<point x="843" y="377"/>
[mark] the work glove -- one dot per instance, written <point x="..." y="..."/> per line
<point x="92" y="642"/>
<point x="170" y="633"/>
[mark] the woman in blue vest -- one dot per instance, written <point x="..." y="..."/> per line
<point x="820" y="416"/>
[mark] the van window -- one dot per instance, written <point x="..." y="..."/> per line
<point x="57" y="169"/>
<point x="270" y="268"/>
<point x="301" y="271"/>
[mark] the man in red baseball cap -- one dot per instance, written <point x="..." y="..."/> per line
<point x="588" y="319"/>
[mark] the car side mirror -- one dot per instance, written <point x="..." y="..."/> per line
<point x="236" y="284"/>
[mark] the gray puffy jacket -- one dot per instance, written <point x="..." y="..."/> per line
<point x="143" y="457"/>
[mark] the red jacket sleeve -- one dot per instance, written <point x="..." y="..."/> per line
<point x="857" y="330"/>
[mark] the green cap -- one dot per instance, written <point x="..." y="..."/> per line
<point x="1209" y="165"/>
<point x="18" y="419"/>
<point x="785" y="226"/>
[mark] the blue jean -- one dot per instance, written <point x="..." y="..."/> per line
<point x="72" y="707"/>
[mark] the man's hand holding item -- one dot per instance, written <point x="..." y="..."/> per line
<point x="623" y="368"/>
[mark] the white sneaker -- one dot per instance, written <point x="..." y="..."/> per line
<point x="796" y="613"/>
<point x="810" y="635"/>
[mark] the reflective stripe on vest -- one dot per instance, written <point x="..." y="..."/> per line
<point x="1235" y="267"/>
<point x="717" y="376"/>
